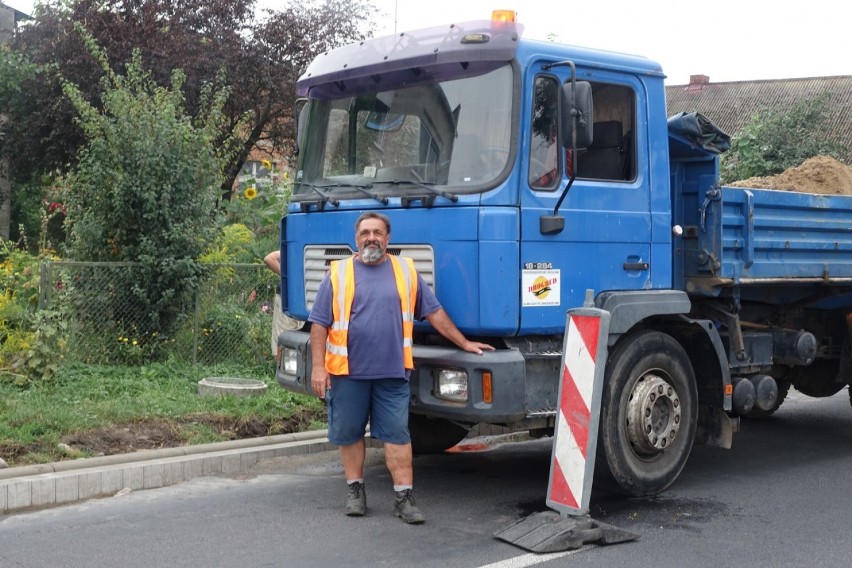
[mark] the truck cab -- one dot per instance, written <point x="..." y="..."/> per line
<point x="455" y="134"/>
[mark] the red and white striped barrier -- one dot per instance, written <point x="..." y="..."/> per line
<point x="575" y="438"/>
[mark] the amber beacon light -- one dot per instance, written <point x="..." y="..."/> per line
<point x="503" y="15"/>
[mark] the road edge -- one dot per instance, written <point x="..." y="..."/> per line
<point x="41" y="486"/>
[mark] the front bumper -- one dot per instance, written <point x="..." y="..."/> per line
<point x="508" y="404"/>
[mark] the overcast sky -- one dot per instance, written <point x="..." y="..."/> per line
<point x="729" y="40"/>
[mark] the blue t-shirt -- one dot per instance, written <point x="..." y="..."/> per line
<point x="375" y="326"/>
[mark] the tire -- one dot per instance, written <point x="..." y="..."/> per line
<point x="433" y="435"/>
<point x="819" y="379"/>
<point x="649" y="413"/>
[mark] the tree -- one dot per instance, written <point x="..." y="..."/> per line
<point x="144" y="189"/>
<point x="14" y="69"/>
<point x="774" y="141"/>
<point x="286" y="42"/>
<point x="261" y="59"/>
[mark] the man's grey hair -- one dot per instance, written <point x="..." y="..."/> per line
<point x="372" y="215"/>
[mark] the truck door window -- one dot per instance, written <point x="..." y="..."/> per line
<point x="611" y="154"/>
<point x="544" y="146"/>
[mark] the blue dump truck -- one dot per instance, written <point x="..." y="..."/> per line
<point x="519" y="174"/>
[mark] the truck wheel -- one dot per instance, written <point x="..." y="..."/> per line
<point x="649" y="412"/>
<point x="819" y="379"/>
<point x="433" y="435"/>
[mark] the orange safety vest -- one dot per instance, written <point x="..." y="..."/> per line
<point x="343" y="292"/>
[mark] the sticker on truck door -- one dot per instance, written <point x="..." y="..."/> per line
<point x="540" y="288"/>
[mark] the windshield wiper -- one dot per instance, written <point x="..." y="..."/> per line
<point x="324" y="197"/>
<point x="427" y="186"/>
<point x="365" y="189"/>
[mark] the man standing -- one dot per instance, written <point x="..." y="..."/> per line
<point x="361" y="347"/>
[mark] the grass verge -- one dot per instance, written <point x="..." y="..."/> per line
<point x="101" y="410"/>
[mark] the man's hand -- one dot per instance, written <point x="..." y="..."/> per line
<point x="320" y="381"/>
<point x="442" y="323"/>
<point x="476" y="347"/>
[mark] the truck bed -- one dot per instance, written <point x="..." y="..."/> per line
<point x="741" y="236"/>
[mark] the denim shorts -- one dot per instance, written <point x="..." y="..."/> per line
<point x="354" y="402"/>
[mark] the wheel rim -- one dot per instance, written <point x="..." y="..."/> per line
<point x="653" y="415"/>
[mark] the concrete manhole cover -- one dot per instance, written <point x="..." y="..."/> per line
<point x="221" y="386"/>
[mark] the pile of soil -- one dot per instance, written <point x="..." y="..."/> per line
<point x="820" y="174"/>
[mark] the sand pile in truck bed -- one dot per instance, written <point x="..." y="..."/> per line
<point x="820" y="174"/>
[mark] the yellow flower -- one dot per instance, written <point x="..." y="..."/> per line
<point x="250" y="192"/>
<point x="267" y="164"/>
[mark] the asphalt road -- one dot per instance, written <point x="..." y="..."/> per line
<point x="779" y="497"/>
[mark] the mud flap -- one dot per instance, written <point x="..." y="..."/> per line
<point x="551" y="532"/>
<point x="572" y="463"/>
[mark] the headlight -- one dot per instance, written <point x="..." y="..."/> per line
<point x="451" y="384"/>
<point x="288" y="360"/>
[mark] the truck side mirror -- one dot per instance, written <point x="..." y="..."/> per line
<point x="575" y="123"/>
<point x="576" y="114"/>
<point x="300" y="112"/>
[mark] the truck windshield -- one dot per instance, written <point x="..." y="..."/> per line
<point x="453" y="134"/>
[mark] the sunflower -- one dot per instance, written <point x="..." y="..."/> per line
<point x="250" y="192"/>
<point x="266" y="164"/>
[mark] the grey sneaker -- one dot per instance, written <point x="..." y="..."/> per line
<point x="405" y="508"/>
<point x="356" y="501"/>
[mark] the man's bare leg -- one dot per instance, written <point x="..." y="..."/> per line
<point x="398" y="458"/>
<point x="352" y="457"/>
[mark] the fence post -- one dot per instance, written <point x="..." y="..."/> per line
<point x="45" y="270"/>
<point x="195" y="318"/>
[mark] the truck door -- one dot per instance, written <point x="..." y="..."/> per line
<point x="606" y="242"/>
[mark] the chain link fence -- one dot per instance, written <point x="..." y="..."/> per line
<point x="228" y="320"/>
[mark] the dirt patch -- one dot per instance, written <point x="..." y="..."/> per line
<point x="126" y="438"/>
<point x="162" y="433"/>
<point x="820" y="174"/>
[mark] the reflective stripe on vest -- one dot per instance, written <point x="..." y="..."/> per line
<point x="342" y="275"/>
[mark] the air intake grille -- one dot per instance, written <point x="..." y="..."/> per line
<point x="318" y="259"/>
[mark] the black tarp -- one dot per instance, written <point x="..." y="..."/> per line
<point x="699" y="130"/>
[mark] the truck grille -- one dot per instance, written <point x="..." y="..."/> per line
<point x="318" y="259"/>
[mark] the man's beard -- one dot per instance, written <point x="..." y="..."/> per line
<point x="371" y="254"/>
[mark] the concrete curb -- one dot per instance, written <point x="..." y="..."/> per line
<point x="42" y="486"/>
<point x="45" y="485"/>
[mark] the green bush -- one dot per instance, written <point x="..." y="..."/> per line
<point x="237" y="331"/>
<point x="32" y="341"/>
<point x="774" y="141"/>
<point x="145" y="188"/>
<point x="259" y="203"/>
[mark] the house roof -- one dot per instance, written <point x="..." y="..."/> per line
<point x="17" y="14"/>
<point x="730" y="105"/>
